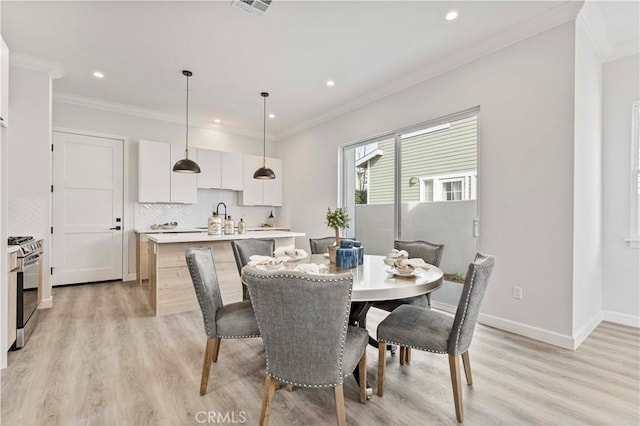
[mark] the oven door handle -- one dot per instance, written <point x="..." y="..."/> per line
<point x="27" y="261"/>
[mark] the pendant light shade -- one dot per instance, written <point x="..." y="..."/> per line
<point x="264" y="172"/>
<point x="186" y="165"/>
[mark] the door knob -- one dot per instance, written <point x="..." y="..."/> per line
<point x="115" y="228"/>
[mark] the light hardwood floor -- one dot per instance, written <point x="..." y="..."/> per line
<point x="97" y="357"/>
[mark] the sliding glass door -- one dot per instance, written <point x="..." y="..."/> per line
<point x="416" y="184"/>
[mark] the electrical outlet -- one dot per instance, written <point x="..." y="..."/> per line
<point x="517" y="293"/>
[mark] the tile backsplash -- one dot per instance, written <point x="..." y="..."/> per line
<point x="188" y="215"/>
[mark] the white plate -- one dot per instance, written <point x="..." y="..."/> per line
<point x="399" y="273"/>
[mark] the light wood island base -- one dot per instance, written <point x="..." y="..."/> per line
<point x="170" y="288"/>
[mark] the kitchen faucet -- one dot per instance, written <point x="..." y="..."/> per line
<point x="218" y="209"/>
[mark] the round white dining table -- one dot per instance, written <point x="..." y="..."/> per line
<point x="373" y="280"/>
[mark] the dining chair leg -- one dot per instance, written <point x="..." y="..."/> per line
<point x="362" y="371"/>
<point x="382" y="352"/>
<point x="289" y="387"/>
<point x="342" y="419"/>
<point x="454" y="367"/>
<point x="402" y="348"/>
<point x="407" y="354"/>
<point x="269" y="391"/>
<point x="467" y="367"/>
<point x="216" y="349"/>
<point x="206" y="367"/>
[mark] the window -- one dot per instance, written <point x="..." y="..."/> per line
<point x="414" y="183"/>
<point x="635" y="177"/>
<point x="458" y="187"/>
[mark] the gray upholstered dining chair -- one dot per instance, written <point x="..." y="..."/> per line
<point x="430" y="253"/>
<point x="427" y="330"/>
<point x="320" y="245"/>
<point x="244" y="249"/>
<point x="303" y="320"/>
<point x="233" y="321"/>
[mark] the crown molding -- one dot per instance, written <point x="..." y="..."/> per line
<point x="592" y="24"/>
<point x="32" y="63"/>
<point x="623" y="50"/>
<point x="118" y="108"/>
<point x="551" y="18"/>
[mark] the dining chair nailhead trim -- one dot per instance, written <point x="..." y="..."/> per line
<point x="303" y="385"/>
<point x="466" y="302"/>
<point x="238" y="337"/>
<point x="207" y="320"/>
<point x="344" y="327"/>
<point x="464" y="311"/>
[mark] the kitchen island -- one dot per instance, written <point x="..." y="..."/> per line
<point x="170" y="289"/>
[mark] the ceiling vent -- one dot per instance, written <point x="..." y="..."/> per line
<point x="255" y="7"/>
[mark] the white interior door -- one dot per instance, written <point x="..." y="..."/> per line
<point x="87" y="208"/>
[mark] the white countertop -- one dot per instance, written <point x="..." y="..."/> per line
<point x="11" y="249"/>
<point x="191" y="229"/>
<point x="175" y="237"/>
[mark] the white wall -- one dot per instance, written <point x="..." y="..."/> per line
<point x="587" y="195"/>
<point x="621" y="264"/>
<point x="4" y="167"/>
<point x="29" y="206"/>
<point x="134" y="128"/>
<point x="525" y="153"/>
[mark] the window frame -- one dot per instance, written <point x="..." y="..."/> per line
<point x="469" y="186"/>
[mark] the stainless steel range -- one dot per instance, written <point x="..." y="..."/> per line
<point x="29" y="257"/>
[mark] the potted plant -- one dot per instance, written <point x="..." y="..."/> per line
<point x="336" y="219"/>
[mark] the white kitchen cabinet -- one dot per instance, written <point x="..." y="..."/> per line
<point x="210" y="165"/>
<point x="258" y="192"/>
<point x="184" y="186"/>
<point x="232" y="170"/>
<point x="157" y="183"/>
<point x="220" y="170"/>
<point x="154" y="172"/>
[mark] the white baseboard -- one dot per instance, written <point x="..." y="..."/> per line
<point x="547" y="336"/>
<point x="46" y="303"/>
<point x="536" y="333"/>
<point x="619" y="318"/>
<point x="579" y="337"/>
<point x="130" y="277"/>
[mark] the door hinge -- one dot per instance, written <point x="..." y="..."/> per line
<point x="52" y="229"/>
<point x="52" y="268"/>
<point x="51" y="188"/>
<point x="51" y="147"/>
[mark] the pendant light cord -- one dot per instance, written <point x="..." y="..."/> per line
<point x="186" y="139"/>
<point x="264" y="134"/>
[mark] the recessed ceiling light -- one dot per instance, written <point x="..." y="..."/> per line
<point x="452" y="15"/>
<point x="272" y="116"/>
<point x="331" y="83"/>
<point x="98" y="74"/>
<point x="217" y="121"/>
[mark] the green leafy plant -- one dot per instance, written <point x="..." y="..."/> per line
<point x="337" y="219"/>
<point x="455" y="277"/>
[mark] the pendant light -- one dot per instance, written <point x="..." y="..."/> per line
<point x="263" y="172"/>
<point x="185" y="165"/>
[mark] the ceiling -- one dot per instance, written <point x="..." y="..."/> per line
<point x="368" y="48"/>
